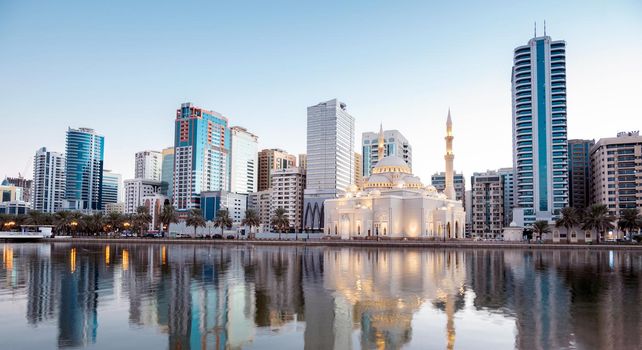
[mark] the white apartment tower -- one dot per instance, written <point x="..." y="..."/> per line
<point x="540" y="156"/>
<point x="136" y="189"/>
<point x="149" y="165"/>
<point x="388" y="142"/>
<point x="244" y="161"/>
<point x="330" y="158"/>
<point x="287" y="193"/>
<point x="48" y="181"/>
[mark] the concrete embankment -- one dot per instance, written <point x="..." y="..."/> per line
<point x="357" y="243"/>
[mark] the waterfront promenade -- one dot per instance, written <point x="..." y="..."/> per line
<point x="463" y="244"/>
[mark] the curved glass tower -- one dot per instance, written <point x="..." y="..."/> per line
<point x="540" y="156"/>
<point x="84" y="170"/>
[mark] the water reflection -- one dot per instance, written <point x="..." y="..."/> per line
<point x="208" y="297"/>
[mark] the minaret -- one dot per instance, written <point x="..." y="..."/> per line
<point x="380" y="149"/>
<point x="449" y="191"/>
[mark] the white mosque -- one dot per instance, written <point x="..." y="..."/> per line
<point x="393" y="203"/>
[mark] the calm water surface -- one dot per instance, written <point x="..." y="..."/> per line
<point x="129" y="296"/>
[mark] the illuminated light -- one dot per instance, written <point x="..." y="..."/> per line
<point x="164" y="255"/>
<point x="72" y="260"/>
<point x="125" y="260"/>
<point x="7" y="258"/>
<point x="107" y="255"/>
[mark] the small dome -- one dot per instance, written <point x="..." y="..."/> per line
<point x="430" y="188"/>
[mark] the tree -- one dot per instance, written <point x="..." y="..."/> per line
<point x="167" y="216"/>
<point x="280" y="220"/>
<point x="630" y="220"/>
<point x="7" y="221"/>
<point x="77" y="223"/>
<point x="112" y="221"/>
<point x="568" y="220"/>
<point x="62" y="221"/>
<point x="141" y="219"/>
<point x="251" y="219"/>
<point x="223" y="220"/>
<point x="93" y="223"/>
<point x="541" y="227"/>
<point x="36" y="217"/>
<point x="195" y="219"/>
<point x="597" y="218"/>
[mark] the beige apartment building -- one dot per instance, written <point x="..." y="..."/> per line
<point x="616" y="172"/>
<point x="287" y="193"/>
<point x="270" y="160"/>
<point x="487" y="204"/>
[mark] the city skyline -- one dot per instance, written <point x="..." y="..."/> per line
<point x="438" y="72"/>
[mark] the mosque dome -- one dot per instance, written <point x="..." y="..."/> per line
<point x="392" y="172"/>
<point x="391" y="164"/>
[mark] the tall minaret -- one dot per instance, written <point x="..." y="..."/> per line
<point x="380" y="149"/>
<point x="449" y="191"/>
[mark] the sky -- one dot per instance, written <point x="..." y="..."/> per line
<point x="124" y="67"/>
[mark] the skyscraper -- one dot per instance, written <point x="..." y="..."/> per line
<point x="201" y="158"/>
<point x="508" y="178"/>
<point x="579" y="166"/>
<point x="167" y="172"/>
<point x="539" y="130"/>
<point x="148" y="165"/>
<point x="112" y="185"/>
<point x="48" y="181"/>
<point x="393" y="142"/>
<point x="271" y="160"/>
<point x="244" y="164"/>
<point x="84" y="169"/>
<point x="330" y="156"/>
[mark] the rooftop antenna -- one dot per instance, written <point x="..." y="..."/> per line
<point x="535" y="29"/>
<point x="544" y="27"/>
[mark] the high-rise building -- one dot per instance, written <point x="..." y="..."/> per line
<point x="508" y="176"/>
<point x="390" y="142"/>
<point x="84" y="169"/>
<point x="48" y="181"/>
<point x="539" y="130"/>
<point x="148" y="165"/>
<point x="244" y="161"/>
<point x="260" y="202"/>
<point x="154" y="203"/>
<point x="488" y="204"/>
<point x="167" y="172"/>
<point x="112" y="185"/>
<point x="579" y="166"/>
<point x="136" y="189"/>
<point x="358" y="169"/>
<point x="24" y="184"/>
<point x="439" y="181"/>
<point x="287" y="193"/>
<point x="616" y="172"/>
<point x="271" y="160"/>
<point x="201" y="155"/>
<point x="330" y="152"/>
<point x="303" y="162"/>
<point x="235" y="203"/>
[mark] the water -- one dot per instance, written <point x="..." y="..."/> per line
<point x="129" y="296"/>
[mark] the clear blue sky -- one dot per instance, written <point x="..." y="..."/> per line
<point x="123" y="67"/>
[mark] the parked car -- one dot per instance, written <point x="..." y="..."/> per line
<point x="153" y="235"/>
<point x="230" y="237"/>
<point x="218" y="236"/>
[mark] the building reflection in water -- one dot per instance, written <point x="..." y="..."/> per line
<point x="211" y="297"/>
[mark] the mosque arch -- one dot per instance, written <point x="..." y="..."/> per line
<point x="448" y="230"/>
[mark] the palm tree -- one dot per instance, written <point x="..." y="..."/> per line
<point x="36" y="217"/>
<point x="195" y="219"/>
<point x="93" y="223"/>
<point x="280" y="220"/>
<point x="77" y="222"/>
<point x="167" y="216"/>
<point x="112" y="221"/>
<point x="62" y="221"/>
<point x="223" y="220"/>
<point x="7" y="221"/>
<point x="251" y="219"/>
<point x="630" y="220"/>
<point x="541" y="227"/>
<point x="568" y="220"/>
<point x="141" y="219"/>
<point x="597" y="218"/>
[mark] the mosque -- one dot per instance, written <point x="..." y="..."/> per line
<point x="393" y="203"/>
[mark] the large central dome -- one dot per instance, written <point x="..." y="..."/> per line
<point x="391" y="164"/>
<point x="392" y="172"/>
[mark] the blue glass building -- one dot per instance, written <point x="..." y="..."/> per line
<point x="540" y="155"/>
<point x="201" y="155"/>
<point x="84" y="170"/>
